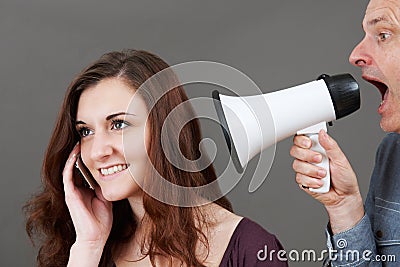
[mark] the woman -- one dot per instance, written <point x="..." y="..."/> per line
<point x="121" y="222"/>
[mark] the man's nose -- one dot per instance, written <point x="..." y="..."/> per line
<point x="361" y="55"/>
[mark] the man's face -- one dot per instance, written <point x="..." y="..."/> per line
<point x="378" y="55"/>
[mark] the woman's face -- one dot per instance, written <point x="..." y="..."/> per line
<point x="103" y="121"/>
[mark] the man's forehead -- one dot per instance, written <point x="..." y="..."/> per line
<point x="382" y="11"/>
<point x="383" y="6"/>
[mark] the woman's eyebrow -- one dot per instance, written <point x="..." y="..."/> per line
<point x="109" y="117"/>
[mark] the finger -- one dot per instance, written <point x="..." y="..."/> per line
<point x="302" y="141"/>
<point x="308" y="182"/>
<point x="333" y="151"/>
<point x="308" y="169"/>
<point x="305" y="154"/>
<point x="68" y="169"/>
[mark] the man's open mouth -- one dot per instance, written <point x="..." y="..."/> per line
<point x="381" y="87"/>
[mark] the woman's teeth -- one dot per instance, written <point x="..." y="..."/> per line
<point x="112" y="170"/>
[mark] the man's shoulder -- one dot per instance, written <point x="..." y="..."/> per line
<point x="388" y="159"/>
<point x="391" y="138"/>
<point x="390" y="144"/>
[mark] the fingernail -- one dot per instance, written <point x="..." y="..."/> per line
<point x="324" y="135"/>
<point x="306" y="143"/>
<point x="317" y="158"/>
<point x="322" y="173"/>
<point x="72" y="157"/>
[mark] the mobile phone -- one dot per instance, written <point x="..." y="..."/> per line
<point x="88" y="178"/>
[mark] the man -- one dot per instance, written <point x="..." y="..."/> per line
<point x="369" y="237"/>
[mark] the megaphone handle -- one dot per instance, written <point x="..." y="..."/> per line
<point x="312" y="133"/>
<point x="323" y="164"/>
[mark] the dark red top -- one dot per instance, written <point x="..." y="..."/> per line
<point x="251" y="245"/>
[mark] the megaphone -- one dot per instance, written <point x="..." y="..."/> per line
<point x="253" y="123"/>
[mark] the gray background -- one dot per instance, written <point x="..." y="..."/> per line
<point x="276" y="43"/>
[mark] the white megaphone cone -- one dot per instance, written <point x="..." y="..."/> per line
<point x="253" y="123"/>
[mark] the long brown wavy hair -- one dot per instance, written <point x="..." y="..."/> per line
<point x="172" y="231"/>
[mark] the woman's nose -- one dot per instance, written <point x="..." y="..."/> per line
<point x="101" y="147"/>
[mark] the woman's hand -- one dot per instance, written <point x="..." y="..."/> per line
<point x="343" y="201"/>
<point x="91" y="214"/>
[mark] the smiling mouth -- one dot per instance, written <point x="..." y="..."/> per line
<point x="113" y="169"/>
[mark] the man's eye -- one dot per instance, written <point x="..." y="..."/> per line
<point x="83" y="132"/>
<point x="119" y="124"/>
<point x="383" y="36"/>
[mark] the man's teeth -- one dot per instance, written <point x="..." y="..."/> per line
<point x="384" y="97"/>
<point x="111" y="170"/>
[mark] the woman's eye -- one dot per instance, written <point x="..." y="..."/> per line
<point x="119" y="124"/>
<point x="83" y="132"/>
